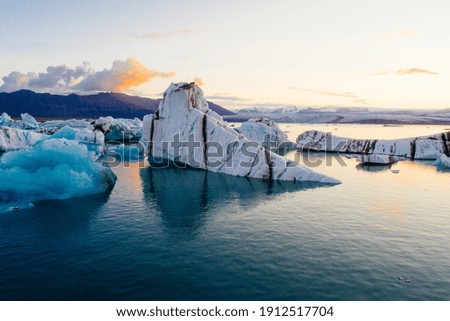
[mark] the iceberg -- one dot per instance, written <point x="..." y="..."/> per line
<point x="27" y="122"/>
<point x="265" y="131"/>
<point x="94" y="140"/>
<point x="14" y="138"/>
<point x="376" y="159"/>
<point x="442" y="161"/>
<point x="420" y="148"/>
<point x="52" y="126"/>
<point x="52" y="169"/>
<point x="184" y="131"/>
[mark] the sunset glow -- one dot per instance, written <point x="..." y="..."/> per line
<point x="275" y="53"/>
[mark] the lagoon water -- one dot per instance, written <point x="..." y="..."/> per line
<point x="170" y="234"/>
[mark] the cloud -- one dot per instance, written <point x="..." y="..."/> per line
<point x="167" y="34"/>
<point x="123" y="76"/>
<point x="198" y="81"/>
<point x="326" y="93"/>
<point x="414" y="70"/>
<point x="360" y="101"/>
<point x="227" y="98"/>
<point x="397" y="35"/>
<point x="404" y="72"/>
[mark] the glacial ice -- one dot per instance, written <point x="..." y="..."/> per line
<point x="119" y="129"/>
<point x="94" y="140"/>
<point x="424" y="147"/>
<point x="442" y="161"/>
<point x="52" y="169"/>
<point x="265" y="131"/>
<point x="184" y="119"/>
<point x="14" y="138"/>
<point x="27" y="122"/>
<point x="52" y="126"/>
<point x="376" y="159"/>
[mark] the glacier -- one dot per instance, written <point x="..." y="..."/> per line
<point x="185" y="131"/>
<point x="420" y="148"/>
<point x="55" y="168"/>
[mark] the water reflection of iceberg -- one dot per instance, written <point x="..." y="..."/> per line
<point x="186" y="197"/>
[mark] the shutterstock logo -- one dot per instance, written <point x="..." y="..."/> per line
<point x="215" y="155"/>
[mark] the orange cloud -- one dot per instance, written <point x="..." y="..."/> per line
<point x="397" y="35"/>
<point x="132" y="73"/>
<point x="198" y="81"/>
<point x="122" y="76"/>
<point x="415" y="70"/>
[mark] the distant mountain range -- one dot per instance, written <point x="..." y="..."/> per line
<point x="344" y="115"/>
<point x="90" y="106"/>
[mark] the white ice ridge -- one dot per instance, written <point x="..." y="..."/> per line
<point x="14" y="138"/>
<point x="185" y="131"/>
<point x="265" y="131"/>
<point x="424" y="147"/>
<point x="119" y="129"/>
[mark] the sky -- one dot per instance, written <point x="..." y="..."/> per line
<point x="392" y="54"/>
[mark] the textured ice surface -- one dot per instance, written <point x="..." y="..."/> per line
<point x="120" y="129"/>
<point x="94" y="140"/>
<point x="52" y="126"/>
<point x="52" y="169"/>
<point x="424" y="147"/>
<point x="442" y="161"/>
<point x="27" y="122"/>
<point x="264" y="131"/>
<point x="14" y="138"/>
<point x="375" y="159"/>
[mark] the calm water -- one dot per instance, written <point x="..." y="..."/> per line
<point x="188" y="234"/>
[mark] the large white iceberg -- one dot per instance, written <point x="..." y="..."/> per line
<point x="265" y="131"/>
<point x="424" y="147"/>
<point x="14" y="138"/>
<point x="185" y="131"/>
<point x="52" y="169"/>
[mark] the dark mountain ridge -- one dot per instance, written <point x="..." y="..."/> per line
<point x="89" y="106"/>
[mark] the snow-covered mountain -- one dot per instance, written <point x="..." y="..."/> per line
<point x="357" y="115"/>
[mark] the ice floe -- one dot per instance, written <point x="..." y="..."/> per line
<point x="15" y="138"/>
<point x="27" y="122"/>
<point x="442" y="161"/>
<point x="52" y="169"/>
<point x="119" y="129"/>
<point x="424" y="147"/>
